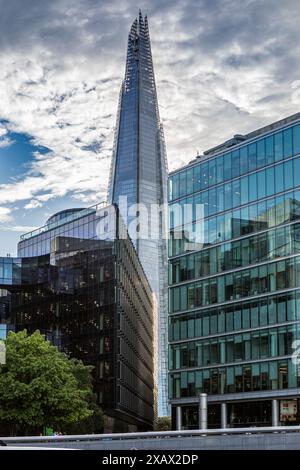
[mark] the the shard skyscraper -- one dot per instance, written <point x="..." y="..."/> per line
<point x="139" y="172"/>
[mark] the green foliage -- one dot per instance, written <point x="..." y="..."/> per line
<point x="41" y="387"/>
<point x="163" y="424"/>
<point x="94" y="423"/>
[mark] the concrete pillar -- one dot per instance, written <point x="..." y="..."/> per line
<point x="178" y="418"/>
<point x="275" y="413"/>
<point x="203" y="411"/>
<point x="223" y="415"/>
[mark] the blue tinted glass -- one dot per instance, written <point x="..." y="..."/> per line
<point x="270" y="181"/>
<point x="220" y="228"/>
<point x="261" y="184"/>
<point x="212" y="228"/>
<point x="252" y="156"/>
<point x="287" y="143"/>
<point x="220" y="198"/>
<point x="236" y="193"/>
<point x="204" y="175"/>
<point x="220" y="169"/>
<point x="297" y="171"/>
<point x="261" y="153"/>
<point x="279" y="178"/>
<point x="296" y="139"/>
<point x="182" y="179"/>
<point x="228" y="196"/>
<point x="3" y="332"/>
<point x="197" y="201"/>
<point x="227" y="166"/>
<point x="244" y="190"/>
<point x="278" y="145"/>
<point x="252" y="187"/>
<point x="205" y="202"/>
<point x="235" y="163"/>
<point x="197" y="184"/>
<point x="228" y="225"/>
<point x="253" y="212"/>
<point x="270" y="149"/>
<point x="170" y="194"/>
<point x="244" y="159"/>
<point x="212" y="201"/>
<point x="212" y="172"/>
<point x="189" y="181"/>
<point x="288" y="175"/>
<point x="175" y="186"/>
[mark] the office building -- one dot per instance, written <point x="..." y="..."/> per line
<point x="234" y="281"/>
<point x="79" y="281"/>
<point x="138" y="179"/>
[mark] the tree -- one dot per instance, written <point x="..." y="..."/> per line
<point x="94" y="423"/>
<point x="163" y="424"/>
<point x="39" y="387"/>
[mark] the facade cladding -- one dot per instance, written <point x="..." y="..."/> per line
<point x="82" y="285"/>
<point x="5" y="318"/>
<point x="139" y="173"/>
<point x="234" y="297"/>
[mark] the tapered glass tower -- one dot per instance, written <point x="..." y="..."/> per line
<point x="139" y="173"/>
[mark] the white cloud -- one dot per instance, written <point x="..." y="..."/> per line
<point x="20" y="228"/>
<point x="33" y="204"/>
<point x="5" y="140"/>
<point x="5" y="215"/>
<point x="60" y="70"/>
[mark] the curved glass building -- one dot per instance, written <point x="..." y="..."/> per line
<point x="235" y="294"/>
<point x="79" y="281"/>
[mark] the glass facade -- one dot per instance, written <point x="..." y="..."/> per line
<point x="234" y="296"/>
<point x="83" y="286"/>
<point x="139" y="173"/>
<point x="5" y="317"/>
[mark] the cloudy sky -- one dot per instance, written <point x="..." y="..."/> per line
<point x="222" y="67"/>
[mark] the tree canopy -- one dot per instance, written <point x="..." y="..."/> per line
<point x="41" y="387"/>
<point x="163" y="424"/>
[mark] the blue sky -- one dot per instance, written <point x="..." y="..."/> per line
<point x="222" y="67"/>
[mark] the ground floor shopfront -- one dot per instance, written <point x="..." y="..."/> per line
<point x="234" y="412"/>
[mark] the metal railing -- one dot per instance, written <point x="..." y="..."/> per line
<point x="69" y="218"/>
<point x="153" y="435"/>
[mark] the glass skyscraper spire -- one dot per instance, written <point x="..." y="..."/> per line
<point x="139" y="173"/>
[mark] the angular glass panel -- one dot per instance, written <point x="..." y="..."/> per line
<point x="220" y="169"/>
<point x="252" y="156"/>
<point x="261" y="184"/>
<point x="270" y="149"/>
<point x="261" y="153"/>
<point x="252" y="187"/>
<point x="296" y="163"/>
<point x="278" y="140"/>
<point x="244" y="159"/>
<point x="279" y="178"/>
<point x="296" y="139"/>
<point x="287" y="143"/>
<point x="235" y="163"/>
<point x="227" y="166"/>
<point x="288" y="175"/>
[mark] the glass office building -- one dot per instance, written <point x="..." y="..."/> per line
<point x="234" y="294"/>
<point x="79" y="281"/>
<point x="5" y="317"/>
<point x="139" y="173"/>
